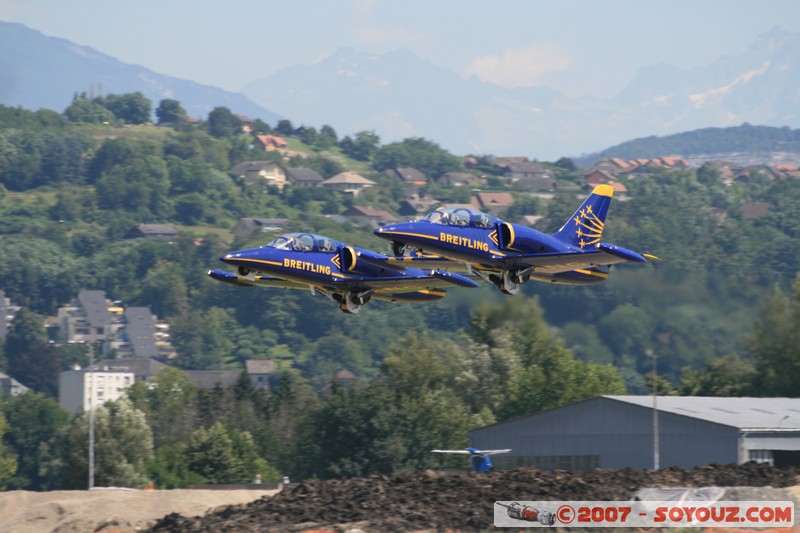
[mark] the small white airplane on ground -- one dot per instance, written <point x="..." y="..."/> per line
<point x="478" y="459"/>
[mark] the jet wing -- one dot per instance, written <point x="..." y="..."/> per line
<point x="465" y="452"/>
<point x="254" y="281"/>
<point x="422" y="280"/>
<point x="388" y="284"/>
<point x="605" y="254"/>
<point x="493" y="452"/>
<point x="479" y="452"/>
<point x="422" y="262"/>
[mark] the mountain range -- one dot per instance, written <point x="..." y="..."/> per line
<point x="399" y="95"/>
<point x="37" y="71"/>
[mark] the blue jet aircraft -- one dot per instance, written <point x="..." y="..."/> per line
<point x="478" y="459"/>
<point x="333" y="270"/>
<point x="508" y="255"/>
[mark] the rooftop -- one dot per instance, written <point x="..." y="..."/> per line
<point x="742" y="413"/>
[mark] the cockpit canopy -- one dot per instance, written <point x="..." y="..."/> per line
<point x="461" y="216"/>
<point x="305" y="242"/>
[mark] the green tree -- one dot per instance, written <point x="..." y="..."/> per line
<point x="223" y="123"/>
<point x="119" y="152"/>
<point x="480" y="373"/>
<point x="627" y="331"/>
<point x="434" y="418"/>
<point x="422" y="154"/>
<point x="164" y="290"/>
<point x="8" y="463"/>
<point x="193" y="209"/>
<point x="202" y="338"/>
<point x="726" y="376"/>
<point x="326" y="167"/>
<point x="26" y="332"/>
<point x="169" y="468"/>
<point x="133" y="108"/>
<point x="170" y="111"/>
<point x="73" y="204"/>
<point x="326" y="139"/>
<point x="307" y="134"/>
<point x="123" y="447"/>
<point x="549" y="375"/>
<point x="31" y="360"/>
<point x="63" y="158"/>
<point x="417" y="364"/>
<point x="211" y="454"/>
<point x="38" y="273"/>
<point x="170" y="404"/>
<point x="355" y="432"/>
<point x="775" y="343"/>
<point x="566" y="163"/>
<point x="253" y="464"/>
<point x="139" y="185"/>
<point x="21" y="159"/>
<point x="88" y="111"/>
<point x="284" y="127"/>
<point x="584" y="342"/>
<point x="37" y="426"/>
<point x="37" y="368"/>
<point x="363" y="147"/>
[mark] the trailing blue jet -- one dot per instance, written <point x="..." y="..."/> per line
<point x="479" y="460"/>
<point x="335" y="271"/>
<point x="508" y="255"/>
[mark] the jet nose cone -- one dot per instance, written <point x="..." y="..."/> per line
<point x="385" y="230"/>
<point x="229" y="258"/>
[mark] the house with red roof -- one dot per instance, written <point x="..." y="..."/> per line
<point x="270" y="143"/>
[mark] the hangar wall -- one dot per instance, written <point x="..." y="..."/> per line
<point x="606" y="433"/>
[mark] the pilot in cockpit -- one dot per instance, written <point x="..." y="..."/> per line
<point x="282" y="243"/>
<point x="482" y="220"/>
<point x="460" y="217"/>
<point x="438" y="217"/>
<point x="326" y="245"/>
<point x="304" y="243"/>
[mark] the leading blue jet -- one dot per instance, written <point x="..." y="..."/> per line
<point x="333" y="270"/>
<point x="508" y="255"/>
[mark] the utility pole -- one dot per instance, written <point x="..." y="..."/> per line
<point x="91" y="427"/>
<point x="654" y="355"/>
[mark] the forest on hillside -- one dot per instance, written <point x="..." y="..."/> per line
<point x="745" y="138"/>
<point x="719" y="309"/>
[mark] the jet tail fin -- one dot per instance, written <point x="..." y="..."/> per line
<point x="585" y="228"/>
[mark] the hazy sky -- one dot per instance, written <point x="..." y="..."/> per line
<point x="575" y="46"/>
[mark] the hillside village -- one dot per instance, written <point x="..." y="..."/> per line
<point x="514" y="174"/>
<point x="130" y="343"/>
<point x="110" y="227"/>
<point x="136" y="336"/>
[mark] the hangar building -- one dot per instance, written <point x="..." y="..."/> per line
<point x="617" y="432"/>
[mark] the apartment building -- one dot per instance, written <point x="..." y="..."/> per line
<point x="81" y="390"/>
<point x="113" y="329"/>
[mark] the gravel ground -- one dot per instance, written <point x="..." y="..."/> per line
<point x="433" y="501"/>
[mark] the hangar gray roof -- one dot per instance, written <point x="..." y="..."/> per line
<point x="742" y="413"/>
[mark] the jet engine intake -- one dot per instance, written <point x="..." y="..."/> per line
<point x="506" y="233"/>
<point x="348" y="258"/>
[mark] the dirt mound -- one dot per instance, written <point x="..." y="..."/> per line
<point x="117" y="510"/>
<point x="434" y="501"/>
